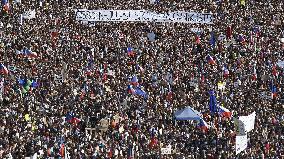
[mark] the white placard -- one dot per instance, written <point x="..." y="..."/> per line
<point x="280" y="64"/>
<point x="241" y="143"/>
<point x="196" y="30"/>
<point x="58" y="79"/>
<point x="143" y="16"/>
<point x="265" y="95"/>
<point x="248" y="121"/>
<point x="166" y="151"/>
<point x="29" y="14"/>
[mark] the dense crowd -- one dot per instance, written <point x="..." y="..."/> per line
<point x="80" y="73"/>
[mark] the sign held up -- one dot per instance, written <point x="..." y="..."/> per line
<point x="143" y="16"/>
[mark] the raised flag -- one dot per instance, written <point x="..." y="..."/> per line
<point x="6" y="6"/>
<point x="274" y="92"/>
<point x="203" y="125"/>
<point x="210" y="60"/>
<point x="134" y="81"/>
<point x="256" y="31"/>
<point x="248" y="122"/>
<point x="229" y="32"/>
<point x="241" y="143"/>
<point x="141" y="92"/>
<point x="212" y="39"/>
<point x="130" y="52"/>
<point x="212" y="102"/>
<point x="197" y="39"/>
<point x="141" y="69"/>
<point x="130" y="89"/>
<point x="225" y="72"/>
<point x="274" y="71"/>
<point x="29" y="53"/>
<point x="242" y="39"/>
<point x="61" y="151"/>
<point x="3" y="69"/>
<point x="224" y="112"/>
<point x="254" y="75"/>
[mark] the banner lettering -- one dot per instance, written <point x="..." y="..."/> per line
<point x="143" y="16"/>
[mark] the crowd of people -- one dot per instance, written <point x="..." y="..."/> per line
<point x="60" y="77"/>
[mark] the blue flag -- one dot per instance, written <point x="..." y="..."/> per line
<point x="212" y="39"/>
<point x="212" y="102"/>
<point x="141" y="92"/>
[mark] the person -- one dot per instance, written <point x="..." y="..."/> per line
<point x="66" y="76"/>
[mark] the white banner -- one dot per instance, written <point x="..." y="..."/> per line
<point x="143" y="16"/>
<point x="239" y="126"/>
<point x="29" y="14"/>
<point x="241" y="143"/>
<point x="166" y="151"/>
<point x="248" y="121"/>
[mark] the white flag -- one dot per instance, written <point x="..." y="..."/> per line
<point x="241" y="143"/>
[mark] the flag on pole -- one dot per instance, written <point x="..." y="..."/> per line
<point x="3" y="69"/>
<point x="254" y="75"/>
<point x="61" y="150"/>
<point x="203" y="125"/>
<point x="273" y="91"/>
<point x="141" y="92"/>
<point x="197" y="39"/>
<point x="141" y="69"/>
<point x="210" y="60"/>
<point x="212" y="39"/>
<point x="224" y="112"/>
<point x="130" y="52"/>
<point x="134" y="81"/>
<point x="212" y="102"/>
<point x="274" y="70"/>
<point x="225" y="71"/>
<point x="130" y="89"/>
<point x="6" y="6"/>
<point x="229" y="32"/>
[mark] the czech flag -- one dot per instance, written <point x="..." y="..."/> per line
<point x="61" y="151"/>
<point x="6" y="6"/>
<point x="242" y="39"/>
<point x="70" y="117"/>
<point x="224" y="112"/>
<point x="210" y="60"/>
<point x="225" y="72"/>
<point x="256" y="31"/>
<point x="140" y="68"/>
<point x="130" y="52"/>
<point x="30" y="53"/>
<point x="130" y="89"/>
<point x="203" y="125"/>
<point x="3" y="69"/>
<point x="134" y="81"/>
<point x="274" y="92"/>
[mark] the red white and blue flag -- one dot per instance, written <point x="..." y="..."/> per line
<point x="3" y="69"/>
<point x="224" y="112"/>
<point x="203" y="125"/>
<point x="210" y="60"/>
